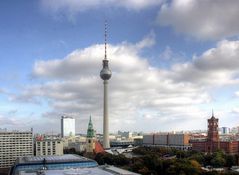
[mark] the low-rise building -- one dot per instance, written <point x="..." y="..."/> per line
<point x="78" y="146"/>
<point x="62" y="165"/>
<point x="49" y="147"/>
<point x="177" y="141"/>
<point x="121" y="143"/>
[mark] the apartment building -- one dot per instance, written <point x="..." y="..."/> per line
<point x="48" y="147"/>
<point x="14" y="144"/>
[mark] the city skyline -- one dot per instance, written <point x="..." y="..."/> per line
<point x="170" y="66"/>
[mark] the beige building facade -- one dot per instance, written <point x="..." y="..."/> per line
<point x="49" y="147"/>
<point x="14" y="144"/>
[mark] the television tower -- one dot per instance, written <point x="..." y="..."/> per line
<point x="105" y="75"/>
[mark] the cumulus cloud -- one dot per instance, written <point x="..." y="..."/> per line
<point x="169" y="56"/>
<point x="11" y="121"/>
<point x="215" y="67"/>
<point x="148" y="41"/>
<point x="72" y="86"/>
<point x="139" y="93"/>
<point x="237" y="93"/>
<point x="7" y="121"/>
<point x="71" y="7"/>
<point x="207" y="19"/>
<point x="235" y="111"/>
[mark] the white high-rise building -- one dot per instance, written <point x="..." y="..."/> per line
<point x="14" y="144"/>
<point x="67" y="126"/>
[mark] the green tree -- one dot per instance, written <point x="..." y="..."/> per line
<point x="137" y="164"/>
<point x="196" y="166"/>
<point x="230" y="160"/>
<point x="218" y="159"/>
<point x="69" y="151"/>
<point x="144" y="170"/>
<point x="99" y="158"/>
<point x="199" y="157"/>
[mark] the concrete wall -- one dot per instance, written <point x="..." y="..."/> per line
<point x="161" y="139"/>
<point x="148" y="139"/>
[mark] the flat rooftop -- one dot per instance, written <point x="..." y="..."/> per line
<point x="51" y="159"/>
<point x="101" y="170"/>
<point x="68" y="164"/>
<point x="85" y="171"/>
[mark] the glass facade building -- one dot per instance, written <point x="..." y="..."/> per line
<point x="67" y="126"/>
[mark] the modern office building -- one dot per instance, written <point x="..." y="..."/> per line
<point x="14" y="144"/>
<point x="178" y="141"/>
<point x="67" y="126"/>
<point x="63" y="165"/>
<point x="213" y="143"/>
<point x="48" y="147"/>
<point x="224" y="130"/>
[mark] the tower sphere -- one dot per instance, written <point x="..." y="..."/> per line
<point x="105" y="73"/>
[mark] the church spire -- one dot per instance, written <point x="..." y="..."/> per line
<point x="90" y="122"/>
<point x="90" y="130"/>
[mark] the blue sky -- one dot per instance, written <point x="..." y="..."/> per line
<point x="172" y="62"/>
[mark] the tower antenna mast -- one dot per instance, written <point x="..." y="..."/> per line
<point x="105" y="39"/>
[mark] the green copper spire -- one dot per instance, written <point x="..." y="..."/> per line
<point x="90" y="130"/>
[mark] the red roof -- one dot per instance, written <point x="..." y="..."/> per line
<point x="98" y="148"/>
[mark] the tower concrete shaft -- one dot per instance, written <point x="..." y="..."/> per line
<point x="105" y="74"/>
<point x="106" y="142"/>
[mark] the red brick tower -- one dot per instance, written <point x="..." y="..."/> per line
<point x="212" y="134"/>
<point x="213" y="129"/>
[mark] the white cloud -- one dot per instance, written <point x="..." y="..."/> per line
<point x="215" y="67"/>
<point x="207" y="19"/>
<point x="167" y="54"/>
<point x="71" y="7"/>
<point x="235" y="110"/>
<point x="11" y="121"/>
<point x="139" y="93"/>
<point x="72" y="86"/>
<point x="148" y="41"/>
<point x="237" y="93"/>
